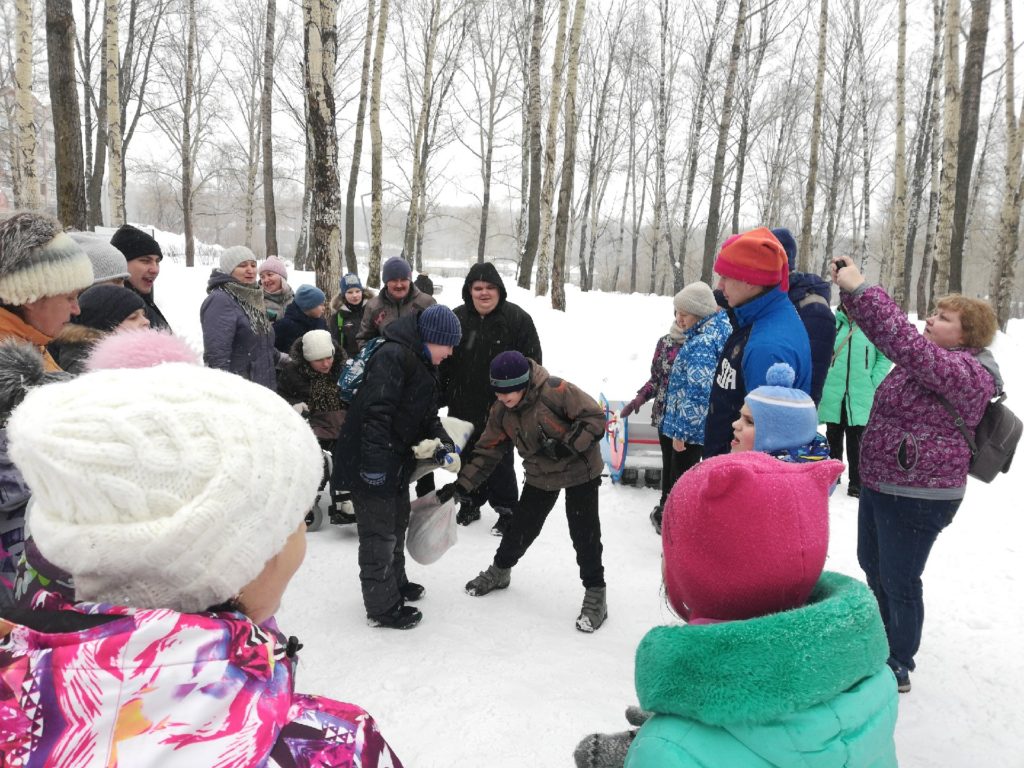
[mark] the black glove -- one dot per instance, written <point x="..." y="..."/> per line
<point x="446" y="493"/>
<point x="442" y="451"/>
<point x="552" y="448"/>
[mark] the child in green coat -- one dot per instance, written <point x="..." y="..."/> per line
<point x="779" y="664"/>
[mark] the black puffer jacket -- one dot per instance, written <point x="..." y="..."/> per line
<point x="395" y="408"/>
<point x="465" y="376"/>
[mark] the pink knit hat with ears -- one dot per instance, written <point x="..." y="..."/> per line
<point x="745" y="535"/>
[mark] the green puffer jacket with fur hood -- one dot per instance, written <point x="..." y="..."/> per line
<point x="806" y="688"/>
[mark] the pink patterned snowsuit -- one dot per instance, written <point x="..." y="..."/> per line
<point x="115" y="686"/>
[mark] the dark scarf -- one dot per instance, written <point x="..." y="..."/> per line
<point x="250" y="299"/>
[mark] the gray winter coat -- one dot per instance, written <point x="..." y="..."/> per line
<point x="228" y="339"/>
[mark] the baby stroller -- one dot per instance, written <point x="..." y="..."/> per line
<point x="335" y="507"/>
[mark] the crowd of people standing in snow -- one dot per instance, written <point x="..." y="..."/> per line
<point x="193" y="551"/>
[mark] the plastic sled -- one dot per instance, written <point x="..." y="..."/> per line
<point x="630" y="446"/>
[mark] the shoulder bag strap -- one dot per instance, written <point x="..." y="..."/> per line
<point x="842" y="344"/>
<point x="959" y="421"/>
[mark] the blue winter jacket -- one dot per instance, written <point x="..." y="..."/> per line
<point x="689" y="384"/>
<point x="767" y="330"/>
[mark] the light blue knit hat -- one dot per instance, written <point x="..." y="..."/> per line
<point x="784" y="417"/>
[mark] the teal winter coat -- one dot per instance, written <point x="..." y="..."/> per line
<point x="853" y="376"/>
<point x="806" y="688"/>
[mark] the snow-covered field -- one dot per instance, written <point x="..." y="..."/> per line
<point x="506" y="680"/>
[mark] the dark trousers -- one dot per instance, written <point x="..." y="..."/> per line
<point x="894" y="537"/>
<point x="584" y="528"/>
<point x="382" y="522"/>
<point x="501" y="489"/>
<point x="835" y="434"/>
<point x="674" y="463"/>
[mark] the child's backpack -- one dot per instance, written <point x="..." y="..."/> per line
<point x="354" y="370"/>
<point x="995" y="439"/>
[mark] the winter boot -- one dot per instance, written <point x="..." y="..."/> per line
<point x="488" y="581"/>
<point x="902" y="675"/>
<point x="411" y="591"/>
<point x="342" y="512"/>
<point x="594" y="610"/>
<point x="468" y="513"/>
<point x="656" y="519"/>
<point x="397" y="617"/>
<point x="503" y="523"/>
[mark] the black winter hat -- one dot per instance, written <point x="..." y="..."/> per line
<point x="439" y="325"/>
<point x="510" y="372"/>
<point x="134" y="243"/>
<point x="104" y="307"/>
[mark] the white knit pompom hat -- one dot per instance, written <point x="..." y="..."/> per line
<point x="38" y="259"/>
<point x="158" y="487"/>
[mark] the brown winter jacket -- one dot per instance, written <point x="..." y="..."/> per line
<point x="551" y="408"/>
<point x="382" y="309"/>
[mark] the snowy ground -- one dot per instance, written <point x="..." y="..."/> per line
<point x="506" y="680"/>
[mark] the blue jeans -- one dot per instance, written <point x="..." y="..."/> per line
<point x="895" y="535"/>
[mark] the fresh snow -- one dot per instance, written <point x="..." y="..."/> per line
<point x="506" y="680"/>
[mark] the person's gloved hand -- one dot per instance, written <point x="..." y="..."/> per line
<point x="301" y="408"/>
<point x="427" y="449"/>
<point x="446" y="493"/>
<point x="442" y="451"/>
<point x="373" y="479"/>
<point x="632" y="406"/>
<point x="553" y="449"/>
<point x="451" y="462"/>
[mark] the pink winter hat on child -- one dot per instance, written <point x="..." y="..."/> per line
<point x="139" y="348"/>
<point x="745" y="535"/>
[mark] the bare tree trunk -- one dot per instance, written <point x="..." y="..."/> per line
<point x="835" y="180"/>
<point x="898" y="241"/>
<point x="533" y="219"/>
<point x="186" y="132"/>
<point x="525" y="149"/>
<point x="562" y="224"/>
<point x="266" y="129"/>
<point x="67" y="136"/>
<point x="357" y="146"/>
<point x="551" y="149"/>
<point x="926" y="279"/>
<point x="807" y="223"/>
<point x="115" y="191"/>
<point x="24" y="109"/>
<point x="967" y="139"/>
<point x="1008" y="243"/>
<point x="950" y="138"/>
<point x="376" y="147"/>
<point x="94" y="185"/>
<point x="696" y="131"/>
<point x="325" y="215"/>
<point x="717" y="176"/>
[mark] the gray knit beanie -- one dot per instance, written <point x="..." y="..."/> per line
<point x="108" y="263"/>
<point x="696" y="299"/>
<point x="233" y="256"/>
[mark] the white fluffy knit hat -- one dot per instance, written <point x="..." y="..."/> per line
<point x="157" y="487"/>
<point x="38" y="259"/>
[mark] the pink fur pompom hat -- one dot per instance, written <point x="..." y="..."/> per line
<point x="139" y="348"/>
<point x="745" y="535"/>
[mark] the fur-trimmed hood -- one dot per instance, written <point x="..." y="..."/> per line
<point x="761" y="669"/>
<point x="21" y="368"/>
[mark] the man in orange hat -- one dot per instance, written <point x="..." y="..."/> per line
<point x="754" y="277"/>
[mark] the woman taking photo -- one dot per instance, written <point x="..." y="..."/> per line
<point x="237" y="335"/>
<point x="913" y="458"/>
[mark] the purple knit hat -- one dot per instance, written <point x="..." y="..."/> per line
<point x="510" y="372"/>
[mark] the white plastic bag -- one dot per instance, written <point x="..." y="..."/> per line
<point x="432" y="529"/>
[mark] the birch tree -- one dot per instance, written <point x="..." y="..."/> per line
<point x="267" y="131"/>
<point x="529" y="254"/>
<point x="67" y="137"/>
<point x="187" y="146"/>
<point x="717" y="176"/>
<point x="112" y="71"/>
<point x="376" y="149"/>
<point x="357" y="142"/>
<point x="551" y="149"/>
<point x="320" y="39"/>
<point x="807" y="220"/>
<point x="898" y="240"/>
<point x="950" y="138"/>
<point x="24" y="109"/>
<point x="967" y="140"/>
<point x="1008" y="242"/>
<point x="562" y="224"/>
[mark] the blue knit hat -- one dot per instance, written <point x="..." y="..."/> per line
<point x="510" y="372"/>
<point x="784" y="417"/>
<point x="785" y="238"/>
<point x="439" y="325"/>
<point x="308" y="297"/>
<point x="396" y="268"/>
<point x="350" y="281"/>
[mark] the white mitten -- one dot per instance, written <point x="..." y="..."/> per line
<point x="425" y="449"/>
<point x="301" y="408"/>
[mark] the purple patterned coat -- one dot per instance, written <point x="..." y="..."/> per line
<point x="910" y="442"/>
<point x="661" y="369"/>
